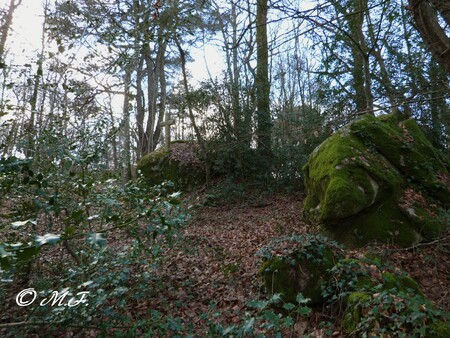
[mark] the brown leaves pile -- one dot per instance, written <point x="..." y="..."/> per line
<point x="185" y="153"/>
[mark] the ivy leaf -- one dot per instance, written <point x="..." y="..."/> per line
<point x="174" y="198"/>
<point x="47" y="239"/>
<point x="288" y="306"/>
<point x="22" y="223"/>
<point x="303" y="311"/>
<point x="301" y="299"/>
<point x="258" y="304"/>
<point x="227" y="331"/>
<point x="85" y="284"/>
<point x="96" y="239"/>
<point x="69" y="231"/>
<point x="276" y="298"/>
<point x="175" y="195"/>
<point x="5" y="262"/>
<point x="248" y="325"/>
<point x="111" y="202"/>
<point x="3" y="252"/>
<point x="273" y="318"/>
<point x="77" y="215"/>
<point x="27" y="253"/>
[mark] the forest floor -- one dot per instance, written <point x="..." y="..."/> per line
<point x="222" y="265"/>
<point x="216" y="262"/>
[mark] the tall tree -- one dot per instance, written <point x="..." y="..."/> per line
<point x="6" y="22"/>
<point x="126" y="127"/>
<point x="264" y="127"/>
<point x="32" y="127"/>
<point x="434" y="33"/>
<point x="235" y="93"/>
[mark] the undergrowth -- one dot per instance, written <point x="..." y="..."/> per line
<point x="68" y="229"/>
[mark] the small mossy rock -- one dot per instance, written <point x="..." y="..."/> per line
<point x="440" y="329"/>
<point x="380" y="300"/>
<point x="401" y="283"/>
<point x="377" y="179"/>
<point x="179" y="165"/>
<point x="356" y="303"/>
<point x="298" y="264"/>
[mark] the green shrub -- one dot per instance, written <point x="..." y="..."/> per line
<point x="377" y="300"/>
<point x="62" y="214"/>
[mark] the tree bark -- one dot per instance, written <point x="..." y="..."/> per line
<point x="126" y="128"/>
<point x="198" y="135"/>
<point x="6" y="27"/>
<point x="161" y="76"/>
<point x="264" y="127"/>
<point x="427" y="23"/>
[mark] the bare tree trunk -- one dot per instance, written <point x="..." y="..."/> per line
<point x="126" y="128"/>
<point x="439" y="110"/>
<point x="427" y="23"/>
<point x="361" y="70"/>
<point x="6" y="27"/>
<point x="161" y="76"/>
<point x="156" y="89"/>
<point x="264" y="127"/>
<point x="152" y="96"/>
<point x="113" y="142"/>
<point x="11" y="139"/>
<point x="249" y="75"/>
<point x="30" y="129"/>
<point x="33" y="129"/>
<point x="140" y="107"/>
<point x="236" y="75"/>
<point x="198" y="135"/>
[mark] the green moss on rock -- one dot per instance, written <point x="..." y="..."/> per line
<point x="301" y="266"/>
<point x="440" y="329"/>
<point x="402" y="283"/>
<point x="179" y="165"/>
<point x="353" y="314"/>
<point x="295" y="275"/>
<point x="380" y="300"/>
<point x="357" y="179"/>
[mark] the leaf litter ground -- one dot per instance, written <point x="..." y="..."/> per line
<point x="216" y="263"/>
<point x="213" y="269"/>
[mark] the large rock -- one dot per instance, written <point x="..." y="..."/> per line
<point x="180" y="165"/>
<point x="377" y="179"/>
<point x="298" y="264"/>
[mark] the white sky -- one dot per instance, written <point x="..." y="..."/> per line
<point x="25" y="40"/>
<point x="25" y="36"/>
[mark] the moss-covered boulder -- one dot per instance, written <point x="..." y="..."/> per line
<point x="298" y="264"/>
<point x="180" y="165"/>
<point x="377" y="179"/>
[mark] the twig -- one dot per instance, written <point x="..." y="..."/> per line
<point x="27" y="323"/>
<point x="422" y="244"/>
